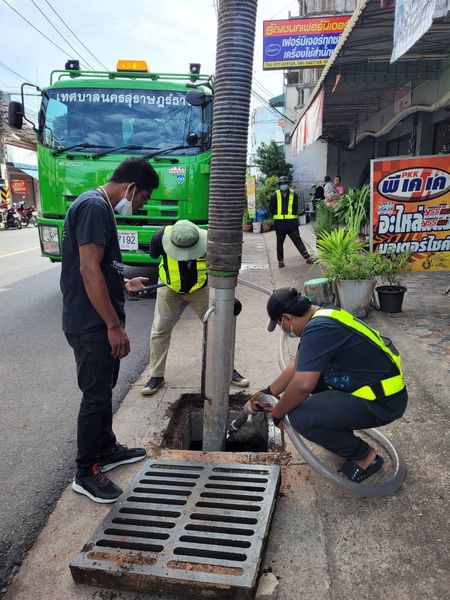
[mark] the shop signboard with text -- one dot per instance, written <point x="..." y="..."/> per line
<point x="251" y="196"/>
<point x="296" y="43"/>
<point x="410" y="209"/>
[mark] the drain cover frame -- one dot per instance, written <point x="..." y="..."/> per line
<point x="184" y="527"/>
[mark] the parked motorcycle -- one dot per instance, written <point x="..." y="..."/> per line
<point x="9" y="217"/>
<point x="27" y="214"/>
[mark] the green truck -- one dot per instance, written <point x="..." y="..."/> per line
<point x="90" y="121"/>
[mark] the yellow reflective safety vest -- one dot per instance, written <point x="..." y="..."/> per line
<point x="169" y="272"/>
<point x="385" y="387"/>
<point x="279" y="214"/>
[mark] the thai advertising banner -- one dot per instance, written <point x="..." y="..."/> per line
<point x="411" y="209"/>
<point x="251" y="196"/>
<point x="294" y="43"/>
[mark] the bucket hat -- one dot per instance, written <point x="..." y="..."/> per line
<point x="184" y="241"/>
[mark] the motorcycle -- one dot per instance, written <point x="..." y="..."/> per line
<point x="9" y="217"/>
<point x="27" y="214"/>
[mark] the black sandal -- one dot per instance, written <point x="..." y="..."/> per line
<point x="355" y="473"/>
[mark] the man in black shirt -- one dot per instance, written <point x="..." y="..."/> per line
<point x="93" y="286"/>
<point x="182" y="248"/>
<point x="345" y="377"/>
<point x="283" y="206"/>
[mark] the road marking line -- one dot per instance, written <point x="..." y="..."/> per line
<point x="19" y="251"/>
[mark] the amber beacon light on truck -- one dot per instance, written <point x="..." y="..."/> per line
<point x="132" y="65"/>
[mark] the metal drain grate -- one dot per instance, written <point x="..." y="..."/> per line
<point x="184" y="527"/>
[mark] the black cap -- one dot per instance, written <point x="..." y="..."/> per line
<point x="283" y="179"/>
<point x="283" y="301"/>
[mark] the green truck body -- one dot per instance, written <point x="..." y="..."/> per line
<point x="106" y="111"/>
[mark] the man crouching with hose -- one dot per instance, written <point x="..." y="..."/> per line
<point x="346" y="377"/>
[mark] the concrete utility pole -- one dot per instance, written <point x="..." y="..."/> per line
<point x="234" y="65"/>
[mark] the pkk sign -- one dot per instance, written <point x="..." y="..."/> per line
<point x="19" y="186"/>
<point x="410" y="209"/>
<point x="298" y="43"/>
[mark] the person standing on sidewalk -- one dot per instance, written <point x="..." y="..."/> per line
<point x="345" y="376"/>
<point x="93" y="287"/>
<point x="283" y="206"/>
<point x="182" y="248"/>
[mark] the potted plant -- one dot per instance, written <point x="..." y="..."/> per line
<point x="350" y="267"/>
<point x="267" y="225"/>
<point x="391" y="291"/>
<point x="246" y="221"/>
<point x="353" y="209"/>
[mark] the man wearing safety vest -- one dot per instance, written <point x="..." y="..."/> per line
<point x="283" y="206"/>
<point x="182" y="248"/>
<point x="345" y="377"/>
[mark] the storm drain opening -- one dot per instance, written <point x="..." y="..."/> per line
<point x="208" y="544"/>
<point x="185" y="428"/>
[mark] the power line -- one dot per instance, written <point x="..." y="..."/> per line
<point x="61" y="35"/>
<point x="38" y="30"/>
<point x="75" y="35"/>
<point x="18" y="76"/>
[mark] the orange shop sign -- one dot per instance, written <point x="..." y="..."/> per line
<point x="411" y="209"/>
<point x="19" y="186"/>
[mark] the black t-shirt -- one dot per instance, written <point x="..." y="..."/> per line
<point x="89" y="220"/>
<point x="188" y="268"/>
<point x="284" y="224"/>
<point x="347" y="362"/>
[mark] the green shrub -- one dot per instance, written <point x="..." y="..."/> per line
<point x="353" y="209"/>
<point x="265" y="192"/>
<point x="391" y="265"/>
<point x="325" y="219"/>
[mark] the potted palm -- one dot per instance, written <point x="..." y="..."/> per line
<point x="391" y="291"/>
<point x="352" y="269"/>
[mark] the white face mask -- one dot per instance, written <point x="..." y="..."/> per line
<point x="125" y="207"/>
<point x="284" y="187"/>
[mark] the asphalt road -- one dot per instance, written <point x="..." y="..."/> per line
<point x="39" y="397"/>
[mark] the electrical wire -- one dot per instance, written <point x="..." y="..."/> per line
<point x="17" y="75"/>
<point x="61" y="35"/>
<point x="38" y="30"/>
<point x="75" y="36"/>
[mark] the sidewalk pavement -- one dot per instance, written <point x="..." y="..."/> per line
<point x="323" y="543"/>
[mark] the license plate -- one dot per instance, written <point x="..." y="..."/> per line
<point x="128" y="240"/>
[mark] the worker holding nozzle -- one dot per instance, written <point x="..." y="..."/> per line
<point x="346" y="377"/>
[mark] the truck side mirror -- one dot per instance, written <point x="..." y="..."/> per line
<point x="15" y="115"/>
<point x="197" y="98"/>
<point x="192" y="139"/>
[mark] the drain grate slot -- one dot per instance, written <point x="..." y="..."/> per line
<point x="129" y="545"/>
<point x="214" y="541"/>
<point x="240" y="488"/>
<point x="149" y="511"/>
<point x="246" y="479"/>
<point x="141" y="534"/>
<point x="185" y="528"/>
<point x="228" y="506"/>
<point x="224" y="518"/>
<point x="142" y="523"/>
<point x="215" y="529"/>
<point x="167" y="482"/>
<point x="149" y="490"/>
<point x="209" y="554"/>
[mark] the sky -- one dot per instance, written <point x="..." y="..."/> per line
<point x="169" y="34"/>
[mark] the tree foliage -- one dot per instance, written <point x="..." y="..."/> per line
<point x="265" y="192"/>
<point x="270" y="159"/>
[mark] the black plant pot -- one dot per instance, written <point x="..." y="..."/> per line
<point x="390" y="297"/>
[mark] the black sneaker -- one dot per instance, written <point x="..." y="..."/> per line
<point x="238" y="380"/>
<point x="152" y="386"/>
<point x="120" y="455"/>
<point x="96" y="486"/>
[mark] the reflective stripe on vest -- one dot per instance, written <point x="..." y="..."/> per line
<point x="390" y="385"/>
<point x="172" y="276"/>
<point x="279" y="214"/>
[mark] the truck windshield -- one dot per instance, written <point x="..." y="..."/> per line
<point x="111" y="118"/>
